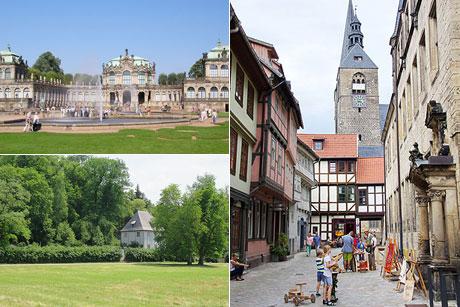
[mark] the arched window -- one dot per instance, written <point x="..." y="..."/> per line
<point x="213" y="71"/>
<point x="1" y="93"/>
<point x="7" y="73"/>
<point x="224" y="92"/>
<point x="201" y="93"/>
<point x="358" y="84"/>
<point x="224" y="71"/>
<point x="112" y="78"/>
<point x="73" y="97"/>
<point x="86" y="97"/>
<point x="26" y="92"/>
<point x="149" y="78"/>
<point x="7" y="93"/>
<point x="157" y="96"/>
<point x="163" y="96"/>
<point x="214" y="92"/>
<point x="191" y="92"/>
<point x="80" y="96"/>
<point x="93" y="96"/>
<point x="141" y="77"/>
<point x="17" y="93"/>
<point x="1" y="74"/>
<point x="126" y="77"/>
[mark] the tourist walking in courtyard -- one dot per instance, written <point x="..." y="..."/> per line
<point x="236" y="268"/>
<point x="327" y="276"/>
<point x="319" y="270"/>
<point x="28" y="122"/>
<point x="317" y="240"/>
<point x="348" y="249"/>
<point x="309" y="244"/>
<point x="371" y="242"/>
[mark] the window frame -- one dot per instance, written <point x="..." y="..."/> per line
<point x="250" y="101"/>
<point x="233" y="151"/>
<point x="244" y="160"/>
<point x="239" y="85"/>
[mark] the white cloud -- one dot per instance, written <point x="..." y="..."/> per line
<point x="308" y="37"/>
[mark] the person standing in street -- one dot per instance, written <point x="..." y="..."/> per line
<point x="327" y="276"/>
<point x="317" y="240"/>
<point x="371" y="242"/>
<point x="348" y="249"/>
<point x="214" y="117"/>
<point x="309" y="244"/>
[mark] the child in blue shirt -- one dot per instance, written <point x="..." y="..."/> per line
<point x="320" y="270"/>
<point x="361" y="248"/>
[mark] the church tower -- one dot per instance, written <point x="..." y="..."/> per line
<point x="357" y="93"/>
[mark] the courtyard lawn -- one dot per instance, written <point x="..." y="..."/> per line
<point x="181" y="140"/>
<point x="147" y="284"/>
<point x="223" y="115"/>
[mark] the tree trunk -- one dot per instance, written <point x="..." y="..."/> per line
<point x="201" y="260"/>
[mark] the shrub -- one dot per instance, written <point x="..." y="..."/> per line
<point x="60" y="254"/>
<point x="142" y="255"/>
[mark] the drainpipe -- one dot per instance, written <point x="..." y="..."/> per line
<point x="395" y="86"/>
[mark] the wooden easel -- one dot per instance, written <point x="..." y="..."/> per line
<point x="391" y="264"/>
<point x="403" y="273"/>
<point x="415" y="268"/>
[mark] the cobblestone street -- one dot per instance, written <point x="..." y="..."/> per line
<point x="267" y="284"/>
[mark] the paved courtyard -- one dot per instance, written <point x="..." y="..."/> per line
<point x="266" y="285"/>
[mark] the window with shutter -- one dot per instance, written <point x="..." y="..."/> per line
<point x="233" y="146"/>
<point x="250" y="108"/>
<point x="244" y="160"/>
<point x="239" y="85"/>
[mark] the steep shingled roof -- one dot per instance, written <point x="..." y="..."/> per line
<point x="335" y="145"/>
<point x="139" y="222"/>
<point x="371" y="170"/>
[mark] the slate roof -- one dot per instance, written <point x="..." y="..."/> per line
<point x="347" y="59"/>
<point x="139" y="222"/>
<point x="350" y="62"/>
<point x="9" y="57"/>
<point x="370" y="170"/>
<point x="335" y="145"/>
<point x="383" y="110"/>
<point x="370" y="151"/>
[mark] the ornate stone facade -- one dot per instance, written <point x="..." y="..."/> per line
<point x="128" y="82"/>
<point x="423" y="183"/>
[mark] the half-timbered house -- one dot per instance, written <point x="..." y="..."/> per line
<point x="248" y="80"/>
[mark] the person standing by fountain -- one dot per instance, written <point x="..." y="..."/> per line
<point x="28" y="121"/>
<point x="214" y="117"/>
<point x="149" y="111"/>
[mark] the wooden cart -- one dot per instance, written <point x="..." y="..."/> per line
<point x="298" y="296"/>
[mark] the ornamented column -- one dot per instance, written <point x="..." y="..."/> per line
<point x="424" y="239"/>
<point x="438" y="235"/>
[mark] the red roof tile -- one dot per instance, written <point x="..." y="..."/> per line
<point x="371" y="170"/>
<point x="335" y="145"/>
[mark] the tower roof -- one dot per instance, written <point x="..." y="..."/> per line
<point x="353" y="54"/>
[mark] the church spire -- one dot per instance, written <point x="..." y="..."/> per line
<point x="352" y="34"/>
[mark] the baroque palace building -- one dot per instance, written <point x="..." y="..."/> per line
<point x="127" y="82"/>
<point x="422" y="136"/>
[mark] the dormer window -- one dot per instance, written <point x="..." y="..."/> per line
<point x="358" y="58"/>
<point x="318" y="145"/>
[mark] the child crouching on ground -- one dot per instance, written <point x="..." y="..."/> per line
<point x="320" y="270"/>
<point x="327" y="276"/>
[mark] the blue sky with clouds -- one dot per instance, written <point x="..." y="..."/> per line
<point x="84" y="34"/>
<point x="308" y="36"/>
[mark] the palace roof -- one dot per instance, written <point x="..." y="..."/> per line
<point x="138" y="61"/>
<point x="371" y="170"/>
<point x="334" y="146"/>
<point x="9" y="57"/>
<point x="217" y="52"/>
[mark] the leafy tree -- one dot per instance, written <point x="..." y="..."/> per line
<point x="98" y="237"/>
<point x="65" y="234"/>
<point x="180" y="77"/>
<point x="172" y="78"/>
<point x="68" y="78"/>
<point x="47" y="62"/>
<point x="197" y="70"/>
<point x="162" y="79"/>
<point x="214" y="217"/>
<point x="13" y="208"/>
<point x="32" y="71"/>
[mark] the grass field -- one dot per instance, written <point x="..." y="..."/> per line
<point x="155" y="284"/>
<point x="181" y="140"/>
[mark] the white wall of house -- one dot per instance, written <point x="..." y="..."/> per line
<point x="144" y="238"/>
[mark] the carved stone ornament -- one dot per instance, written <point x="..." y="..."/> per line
<point x="436" y="195"/>
<point x="415" y="154"/>
<point x="422" y="201"/>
